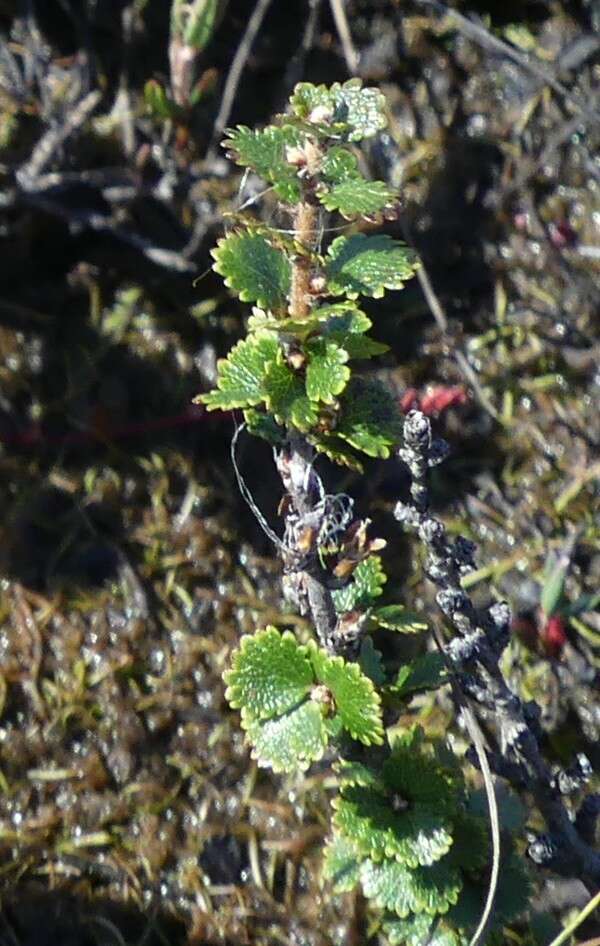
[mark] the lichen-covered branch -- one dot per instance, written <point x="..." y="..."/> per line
<point x="474" y="654"/>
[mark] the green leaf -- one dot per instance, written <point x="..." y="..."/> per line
<point x="265" y="152"/>
<point x="347" y="329"/>
<point x="341" y="865"/>
<point x="157" y="102"/>
<point x="395" y="887"/>
<point x="511" y="811"/>
<point x="512" y="896"/>
<point x="556" y="570"/>
<point x="417" y="834"/>
<point x="290" y="742"/>
<point x="358" y="197"/>
<point x="270" y="674"/>
<point x="356" y="702"/>
<point x="418" y="930"/>
<point x="587" y="602"/>
<point x="370" y="419"/>
<point x="368" y="265"/>
<point x="327" y="373"/>
<point x="422" y="778"/>
<point x="339" y="165"/>
<point x="254" y="269"/>
<point x="357" y="112"/>
<point x="240" y="376"/>
<point x="424" y="673"/>
<point x="366" y="585"/>
<point x="336" y="450"/>
<point x="263" y="425"/>
<point x="357" y="773"/>
<point x="195" y="22"/>
<point x="371" y="661"/>
<point x="395" y="617"/>
<point x="286" y="397"/>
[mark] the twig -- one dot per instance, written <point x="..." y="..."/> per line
<point x="477" y="739"/>
<point x="341" y="24"/>
<point x="475" y="651"/>
<point x="235" y="74"/>
<point x="568" y="931"/>
<point x="295" y="67"/>
<point x="482" y="36"/>
<point x="52" y="140"/>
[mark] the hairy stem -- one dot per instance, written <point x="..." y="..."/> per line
<point x="295" y="461"/>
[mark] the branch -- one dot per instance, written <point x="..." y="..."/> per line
<point x="474" y="653"/>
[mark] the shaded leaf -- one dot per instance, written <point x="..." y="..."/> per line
<point x="413" y="835"/>
<point x="395" y="617"/>
<point x="254" y="269"/>
<point x="286" y="397"/>
<point x="358" y="197"/>
<point x="420" y="777"/>
<point x="341" y="865"/>
<point x="369" y="418"/>
<point x="394" y="887"/>
<point x="263" y="425"/>
<point x="424" y="673"/>
<point x="327" y="373"/>
<point x="336" y="450"/>
<point x="270" y="673"/>
<point x="368" y="265"/>
<point x="371" y="661"/>
<point x="356" y="702"/>
<point x="240" y="376"/>
<point x="290" y="742"/>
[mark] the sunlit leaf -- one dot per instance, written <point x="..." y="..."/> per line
<point x="240" y="376"/>
<point x="368" y="265"/>
<point x="254" y="269"/>
<point x="358" y="197"/>
<point x="356" y="702"/>
<point x="270" y="673"/>
<point x="393" y="886"/>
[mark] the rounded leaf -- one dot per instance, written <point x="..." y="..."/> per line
<point x="270" y="674"/>
<point x="394" y="887"/>
<point x="327" y="373"/>
<point x="341" y="864"/>
<point x="368" y="265"/>
<point x="413" y="834"/>
<point x="286" y="397"/>
<point x="288" y="743"/>
<point x="240" y="376"/>
<point x="356" y="701"/>
<point x="369" y="418"/>
<point x="358" y="197"/>
<point x="255" y="270"/>
<point x="265" y="152"/>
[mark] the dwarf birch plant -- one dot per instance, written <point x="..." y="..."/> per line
<point x="404" y="826"/>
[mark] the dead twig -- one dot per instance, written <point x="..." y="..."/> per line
<point x="481" y="35"/>
<point x="54" y="138"/>
<point x="343" y="29"/>
<point x="235" y="74"/>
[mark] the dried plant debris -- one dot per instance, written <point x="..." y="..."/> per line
<point x="129" y="568"/>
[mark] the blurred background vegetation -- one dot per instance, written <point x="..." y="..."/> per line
<point x="129" y="809"/>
